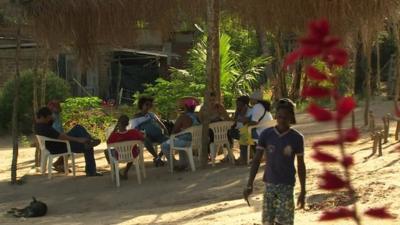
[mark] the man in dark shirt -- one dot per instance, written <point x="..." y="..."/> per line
<point x="80" y="139"/>
<point x="281" y="145"/>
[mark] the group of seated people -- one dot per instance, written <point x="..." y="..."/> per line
<point x="147" y="127"/>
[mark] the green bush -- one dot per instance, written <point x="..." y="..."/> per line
<point x="166" y="93"/>
<point x="86" y="111"/>
<point x="56" y="88"/>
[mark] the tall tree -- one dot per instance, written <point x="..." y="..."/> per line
<point x="368" y="88"/>
<point x="265" y="50"/>
<point x="213" y="10"/>
<point x="16" y="97"/>
<point x="35" y="104"/>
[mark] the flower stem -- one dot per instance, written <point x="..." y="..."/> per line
<point x="350" y="188"/>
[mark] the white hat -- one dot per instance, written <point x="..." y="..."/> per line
<point x="257" y="95"/>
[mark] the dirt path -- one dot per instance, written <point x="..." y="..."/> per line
<point x="205" y="197"/>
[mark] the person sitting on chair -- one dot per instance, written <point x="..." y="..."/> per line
<point x="80" y="140"/>
<point x="216" y="112"/>
<point x="121" y="134"/>
<point x="149" y="122"/>
<point x="184" y="121"/>
<point x="260" y="114"/>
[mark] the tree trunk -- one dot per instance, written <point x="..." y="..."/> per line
<point x="15" y="103"/>
<point x="212" y="71"/>
<point x="353" y="90"/>
<point x="265" y="51"/>
<point x="367" y="86"/>
<point x="397" y="65"/>
<point x="281" y="80"/>
<point x="119" y="78"/>
<point x="44" y="80"/>
<point x="35" y="105"/>
<point x="295" y="89"/>
<point x="378" y="67"/>
<point x="360" y="70"/>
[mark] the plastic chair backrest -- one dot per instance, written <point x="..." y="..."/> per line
<point x="41" y="141"/>
<point x="196" y="136"/>
<point x="124" y="149"/>
<point x="109" y="131"/>
<point x="220" y="130"/>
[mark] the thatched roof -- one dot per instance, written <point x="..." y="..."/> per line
<point x="83" y="24"/>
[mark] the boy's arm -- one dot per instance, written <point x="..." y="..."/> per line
<point x="301" y="170"/>
<point x="255" y="165"/>
<point x="253" y="172"/>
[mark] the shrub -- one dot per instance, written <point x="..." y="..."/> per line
<point x="56" y="88"/>
<point x="86" y="111"/>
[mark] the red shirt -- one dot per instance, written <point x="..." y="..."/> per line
<point x="129" y="135"/>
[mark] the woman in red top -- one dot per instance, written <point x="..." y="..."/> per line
<point x="121" y="134"/>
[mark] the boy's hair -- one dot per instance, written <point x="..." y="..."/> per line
<point x="122" y="119"/>
<point x="289" y="105"/>
<point x="244" y="99"/>
<point x="143" y="100"/>
<point x="43" y="112"/>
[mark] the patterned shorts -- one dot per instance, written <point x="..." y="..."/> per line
<point x="278" y="205"/>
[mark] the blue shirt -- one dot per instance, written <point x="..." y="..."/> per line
<point x="281" y="150"/>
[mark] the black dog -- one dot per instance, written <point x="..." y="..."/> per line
<point x="34" y="209"/>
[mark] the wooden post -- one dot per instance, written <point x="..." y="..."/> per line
<point x="15" y="129"/>
<point x="378" y="66"/>
<point x="44" y="79"/>
<point x="212" y="71"/>
<point x="367" y="85"/>
<point x="119" y="78"/>
<point x="35" y="105"/>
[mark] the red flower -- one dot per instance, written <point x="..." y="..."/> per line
<point x="291" y="58"/>
<point x="315" y="92"/>
<point x="397" y="109"/>
<point x="335" y="214"/>
<point x="330" y="42"/>
<point x="344" y="106"/>
<point x="315" y="74"/>
<point x="379" y="213"/>
<point x="324" y="157"/>
<point x="336" y="57"/>
<point x="319" y="113"/>
<point x="348" y="161"/>
<point x="331" y="181"/>
<point x="310" y="51"/>
<point x="351" y="135"/>
<point x="325" y="142"/>
<point x="319" y="29"/>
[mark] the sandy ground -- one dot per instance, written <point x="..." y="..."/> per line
<point x="207" y="196"/>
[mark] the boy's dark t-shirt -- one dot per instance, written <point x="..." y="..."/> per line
<point x="48" y="131"/>
<point x="281" y="150"/>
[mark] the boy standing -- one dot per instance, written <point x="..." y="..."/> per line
<point x="281" y="145"/>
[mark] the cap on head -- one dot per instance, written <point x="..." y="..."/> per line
<point x="257" y="95"/>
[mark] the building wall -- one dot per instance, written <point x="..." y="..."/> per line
<point x="7" y="62"/>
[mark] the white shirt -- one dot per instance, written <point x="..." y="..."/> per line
<point x="256" y="113"/>
<point x="135" y="122"/>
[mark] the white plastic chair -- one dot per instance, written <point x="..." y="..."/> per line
<point x="265" y="124"/>
<point x="195" y="131"/>
<point x="109" y="131"/>
<point x="220" y="130"/>
<point x="124" y="150"/>
<point x="46" y="156"/>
